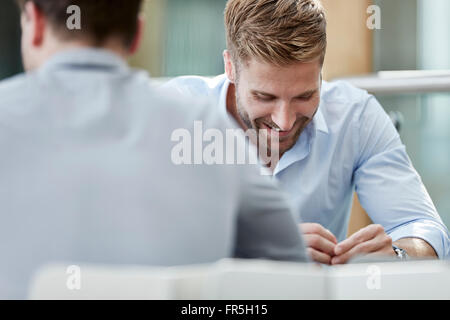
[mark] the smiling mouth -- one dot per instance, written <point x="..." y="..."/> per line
<point x="281" y="134"/>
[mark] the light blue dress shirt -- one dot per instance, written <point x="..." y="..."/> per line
<point x="351" y="144"/>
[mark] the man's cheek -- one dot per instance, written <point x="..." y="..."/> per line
<point x="313" y="107"/>
<point x="259" y="114"/>
<point x="255" y="118"/>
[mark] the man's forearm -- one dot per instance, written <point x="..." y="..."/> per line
<point x="416" y="248"/>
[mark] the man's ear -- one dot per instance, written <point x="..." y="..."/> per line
<point x="136" y="44"/>
<point x="229" y="67"/>
<point x="35" y="22"/>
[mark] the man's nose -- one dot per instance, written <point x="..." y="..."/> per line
<point x="284" y="118"/>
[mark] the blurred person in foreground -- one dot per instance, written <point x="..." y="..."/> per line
<point x="333" y="137"/>
<point x="87" y="175"/>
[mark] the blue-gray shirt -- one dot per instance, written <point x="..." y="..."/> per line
<point x="87" y="176"/>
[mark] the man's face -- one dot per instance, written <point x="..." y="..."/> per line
<point x="278" y="98"/>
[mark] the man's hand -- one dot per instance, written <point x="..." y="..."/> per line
<point x="321" y="242"/>
<point x="371" y="240"/>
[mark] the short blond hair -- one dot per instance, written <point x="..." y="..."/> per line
<point x="280" y="32"/>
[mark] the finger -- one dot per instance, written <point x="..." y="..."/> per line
<point x="318" y="256"/>
<point x="385" y="246"/>
<point x="361" y="236"/>
<point x="353" y="252"/>
<point x="380" y="243"/>
<point x="319" y="243"/>
<point x="315" y="228"/>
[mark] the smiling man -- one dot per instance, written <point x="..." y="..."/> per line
<point x="333" y="138"/>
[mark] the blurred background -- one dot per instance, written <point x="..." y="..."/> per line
<point x="187" y="37"/>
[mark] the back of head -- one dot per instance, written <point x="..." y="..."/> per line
<point x="279" y="32"/>
<point x="50" y="26"/>
<point x="100" y="19"/>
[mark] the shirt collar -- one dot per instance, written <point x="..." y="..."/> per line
<point x="89" y="58"/>
<point x="302" y="148"/>
<point x="319" y="121"/>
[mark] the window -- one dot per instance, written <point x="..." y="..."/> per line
<point x="416" y="35"/>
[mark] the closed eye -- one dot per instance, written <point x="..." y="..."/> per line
<point x="264" y="98"/>
<point x="305" y="98"/>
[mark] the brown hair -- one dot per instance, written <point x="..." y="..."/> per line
<point x="280" y="32"/>
<point x="100" y="19"/>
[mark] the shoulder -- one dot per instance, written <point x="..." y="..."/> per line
<point x="13" y="85"/>
<point x="343" y="103"/>
<point x="183" y="109"/>
<point x="343" y="92"/>
<point x="197" y="86"/>
<point x="16" y="93"/>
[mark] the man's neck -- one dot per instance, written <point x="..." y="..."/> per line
<point x="56" y="47"/>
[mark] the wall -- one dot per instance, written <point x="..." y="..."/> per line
<point x="10" y="59"/>
<point x="349" y="53"/>
<point x="349" y="39"/>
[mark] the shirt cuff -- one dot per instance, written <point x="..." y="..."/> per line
<point x="432" y="232"/>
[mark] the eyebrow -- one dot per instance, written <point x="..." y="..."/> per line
<point x="269" y="95"/>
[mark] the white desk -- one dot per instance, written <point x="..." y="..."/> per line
<point x="250" y="280"/>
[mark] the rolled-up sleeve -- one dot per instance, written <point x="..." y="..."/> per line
<point x="388" y="186"/>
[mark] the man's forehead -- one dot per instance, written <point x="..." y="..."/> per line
<point x="274" y="93"/>
<point x="265" y="77"/>
<point x="271" y="86"/>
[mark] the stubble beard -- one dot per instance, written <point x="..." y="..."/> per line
<point x="245" y="119"/>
